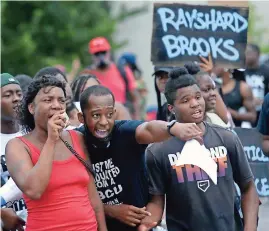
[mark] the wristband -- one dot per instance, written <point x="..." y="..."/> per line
<point x="169" y="126"/>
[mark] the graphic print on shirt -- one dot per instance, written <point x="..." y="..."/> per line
<point x="203" y="185"/>
<point x="16" y="205"/>
<point x="256" y="82"/>
<point x="105" y="181"/>
<point x="4" y="171"/>
<point x="190" y="173"/>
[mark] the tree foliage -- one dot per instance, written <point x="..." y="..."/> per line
<point x="256" y="33"/>
<point x="41" y="33"/>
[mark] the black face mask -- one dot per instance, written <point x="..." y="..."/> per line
<point x="90" y="139"/>
<point x="102" y="63"/>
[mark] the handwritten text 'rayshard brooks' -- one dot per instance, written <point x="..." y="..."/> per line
<point x="213" y="21"/>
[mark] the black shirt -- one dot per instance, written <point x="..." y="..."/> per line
<point x="120" y="170"/>
<point x="193" y="201"/>
<point x="234" y="100"/>
<point x="258" y="80"/>
<point x="263" y="124"/>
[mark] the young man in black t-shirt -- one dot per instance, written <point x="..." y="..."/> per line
<point x="257" y="77"/>
<point x="193" y="201"/>
<point x="263" y="125"/>
<point x="117" y="151"/>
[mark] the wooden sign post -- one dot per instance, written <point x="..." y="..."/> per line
<point x="182" y="32"/>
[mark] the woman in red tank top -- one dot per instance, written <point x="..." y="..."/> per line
<point x="60" y="194"/>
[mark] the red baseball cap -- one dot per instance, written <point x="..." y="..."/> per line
<point x="98" y="44"/>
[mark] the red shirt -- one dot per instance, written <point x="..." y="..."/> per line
<point x="65" y="204"/>
<point x="112" y="79"/>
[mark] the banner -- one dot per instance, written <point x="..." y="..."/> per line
<point x="252" y="142"/>
<point x="183" y="32"/>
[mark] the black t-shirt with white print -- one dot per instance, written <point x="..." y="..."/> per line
<point x="258" y="80"/>
<point x="194" y="202"/>
<point x="120" y="170"/>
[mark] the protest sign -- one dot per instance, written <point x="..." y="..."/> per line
<point x="182" y="32"/>
<point x="240" y="3"/>
<point x="261" y="180"/>
<point x="252" y="142"/>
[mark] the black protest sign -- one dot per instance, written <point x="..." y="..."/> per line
<point x="183" y="32"/>
<point x="261" y="180"/>
<point x="252" y="142"/>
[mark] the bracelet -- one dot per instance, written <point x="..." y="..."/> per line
<point x="170" y="125"/>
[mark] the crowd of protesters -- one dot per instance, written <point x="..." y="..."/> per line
<point x="78" y="151"/>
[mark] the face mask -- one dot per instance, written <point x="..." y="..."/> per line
<point x="102" y="62"/>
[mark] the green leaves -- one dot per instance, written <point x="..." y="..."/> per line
<point x="41" y="33"/>
<point x="256" y="33"/>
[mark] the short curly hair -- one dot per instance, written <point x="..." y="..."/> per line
<point x="26" y="118"/>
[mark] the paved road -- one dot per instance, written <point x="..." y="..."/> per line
<point x="264" y="215"/>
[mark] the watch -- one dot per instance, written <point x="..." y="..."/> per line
<point x="170" y="125"/>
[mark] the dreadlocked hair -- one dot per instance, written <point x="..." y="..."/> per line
<point x="26" y="118"/>
<point x="79" y="83"/>
<point x="159" y="102"/>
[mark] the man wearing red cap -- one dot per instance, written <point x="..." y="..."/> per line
<point x="108" y="74"/>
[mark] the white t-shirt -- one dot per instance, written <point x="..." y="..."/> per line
<point x="4" y="139"/>
<point x="215" y="119"/>
<point x="10" y="194"/>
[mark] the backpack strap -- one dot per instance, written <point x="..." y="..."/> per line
<point x="121" y="69"/>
